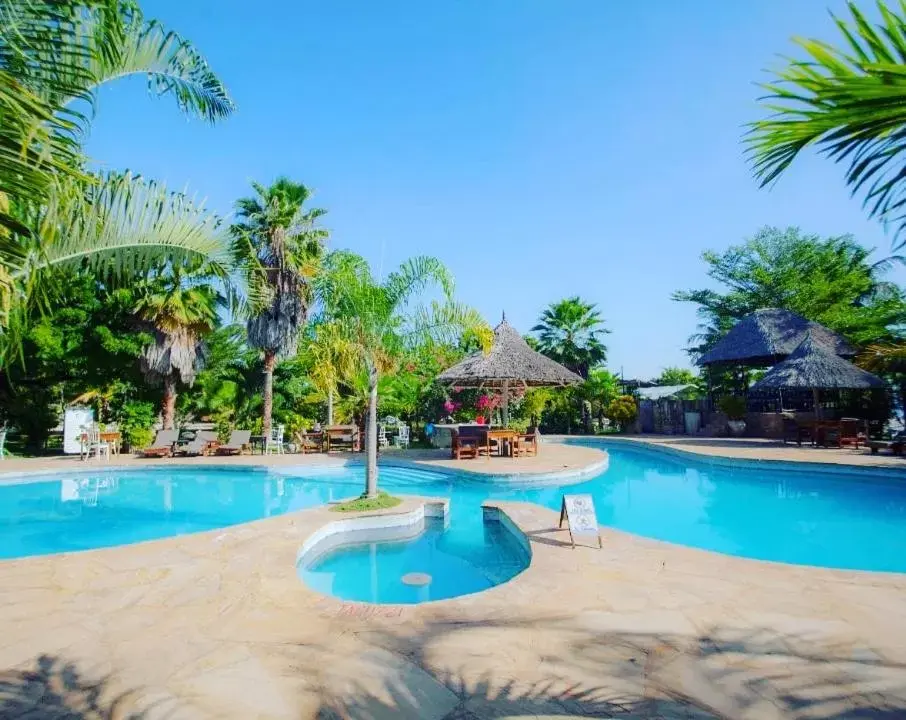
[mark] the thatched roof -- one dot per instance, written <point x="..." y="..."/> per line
<point x="812" y="365"/>
<point x="510" y="361"/>
<point x="769" y="335"/>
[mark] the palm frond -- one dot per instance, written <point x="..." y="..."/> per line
<point x="850" y="104"/>
<point x="172" y="65"/>
<point x="118" y="227"/>
<point x="414" y="275"/>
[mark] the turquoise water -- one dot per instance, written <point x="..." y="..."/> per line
<point x="851" y="520"/>
<point x="454" y="562"/>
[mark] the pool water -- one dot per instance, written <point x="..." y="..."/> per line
<point x="810" y="516"/>
<point x="439" y="562"/>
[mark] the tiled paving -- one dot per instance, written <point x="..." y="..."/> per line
<point x="218" y="625"/>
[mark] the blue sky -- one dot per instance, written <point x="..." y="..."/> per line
<point x="540" y="148"/>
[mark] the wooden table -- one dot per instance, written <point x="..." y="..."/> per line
<point x="504" y="440"/>
<point x="113" y="439"/>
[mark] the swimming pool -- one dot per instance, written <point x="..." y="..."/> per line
<point x="811" y="516"/>
<point x="434" y="562"/>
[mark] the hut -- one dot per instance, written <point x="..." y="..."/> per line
<point x="767" y="336"/>
<point x="814" y="366"/>
<point x="509" y="364"/>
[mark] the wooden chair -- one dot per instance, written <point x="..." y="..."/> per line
<point x="797" y="432"/>
<point x="850" y="433"/>
<point x="310" y="442"/>
<point x="467" y="440"/>
<point x="525" y="444"/>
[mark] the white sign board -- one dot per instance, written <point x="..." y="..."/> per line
<point x="74" y="420"/>
<point x="579" y="513"/>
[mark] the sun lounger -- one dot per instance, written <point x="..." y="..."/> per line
<point x="163" y="444"/>
<point x="204" y="443"/>
<point x="896" y="446"/>
<point x="236" y="445"/>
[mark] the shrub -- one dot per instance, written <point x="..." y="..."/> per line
<point x="623" y="410"/>
<point x="733" y="406"/>
<point x="135" y="420"/>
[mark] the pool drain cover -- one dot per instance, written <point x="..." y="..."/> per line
<point x="416" y="578"/>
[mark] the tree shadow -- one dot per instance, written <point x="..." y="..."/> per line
<point x="558" y="667"/>
<point x="54" y="689"/>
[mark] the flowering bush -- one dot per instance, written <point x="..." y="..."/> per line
<point x="451" y="407"/>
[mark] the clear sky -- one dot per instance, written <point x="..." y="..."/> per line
<point x="540" y="148"/>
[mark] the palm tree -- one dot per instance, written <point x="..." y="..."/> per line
<point x="179" y="313"/>
<point x="569" y="331"/>
<point x="53" y="54"/>
<point x="279" y="242"/>
<point x="377" y="321"/>
<point x="851" y="104"/>
<point x="888" y="360"/>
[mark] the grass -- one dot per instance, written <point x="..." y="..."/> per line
<point x="360" y="504"/>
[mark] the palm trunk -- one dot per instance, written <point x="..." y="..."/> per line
<point x="330" y="407"/>
<point x="371" y="470"/>
<point x="270" y="361"/>
<point x="168" y="407"/>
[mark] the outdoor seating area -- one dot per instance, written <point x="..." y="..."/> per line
<point x="472" y="441"/>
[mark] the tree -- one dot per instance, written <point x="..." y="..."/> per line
<point x="180" y="313"/>
<point x="52" y="54"/>
<point x="281" y="245"/>
<point x="569" y="331"/>
<point x="851" y="104"/>
<point x="828" y="280"/>
<point x="623" y="410"/>
<point x="379" y="321"/>
<point x="676" y="376"/>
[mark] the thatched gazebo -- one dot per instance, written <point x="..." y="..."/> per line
<point x="812" y="365"/>
<point x="767" y="336"/>
<point x="510" y="363"/>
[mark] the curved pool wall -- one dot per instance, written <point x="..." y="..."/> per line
<point x="810" y="514"/>
<point x="411" y="557"/>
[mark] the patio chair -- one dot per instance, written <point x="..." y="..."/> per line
<point x="163" y="444"/>
<point x="204" y="443"/>
<point x="95" y="445"/>
<point x="525" y="444"/>
<point x="236" y="445"/>
<point x="274" y="441"/>
<point x="896" y="445"/>
<point x="310" y="442"/>
<point x="2" y="441"/>
<point x="343" y="437"/>
<point x="467" y="439"/>
<point x="382" y="436"/>
<point x="796" y="432"/>
<point x="851" y="432"/>
<point x="402" y="436"/>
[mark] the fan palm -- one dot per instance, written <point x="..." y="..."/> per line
<point x="377" y="320"/>
<point x="851" y="104"/>
<point x="278" y="241"/>
<point x="569" y="331"/>
<point x="179" y="314"/>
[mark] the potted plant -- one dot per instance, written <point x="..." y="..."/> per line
<point x="734" y="407"/>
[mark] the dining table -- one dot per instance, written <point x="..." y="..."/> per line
<point x="505" y="439"/>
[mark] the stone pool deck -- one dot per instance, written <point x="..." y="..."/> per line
<point x="217" y="625"/>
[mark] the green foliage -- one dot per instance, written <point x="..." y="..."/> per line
<point x="135" y="420"/>
<point x="623" y="410"/>
<point x="733" y="406"/>
<point x="850" y="102"/>
<point x="569" y="331"/>
<point x="364" y="503"/>
<point x="828" y="280"/>
<point x="682" y="376"/>
<point x="53" y="214"/>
